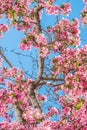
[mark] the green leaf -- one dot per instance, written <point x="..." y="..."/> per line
<point x="17" y="1"/>
<point x="62" y="6"/>
<point x="79" y="104"/>
<point x="19" y="102"/>
<point x="20" y="13"/>
<point x="39" y="120"/>
<point x="69" y="87"/>
<point x="24" y="41"/>
<point x="36" y="1"/>
<point x="54" y="68"/>
<point x="84" y="14"/>
<point x="12" y="13"/>
<point x="12" y="95"/>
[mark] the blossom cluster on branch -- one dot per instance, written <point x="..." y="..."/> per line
<point x="84" y="14"/>
<point x="20" y="94"/>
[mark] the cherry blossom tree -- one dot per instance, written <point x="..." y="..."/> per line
<point x="66" y="70"/>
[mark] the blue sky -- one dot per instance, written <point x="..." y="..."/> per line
<point x="12" y="38"/>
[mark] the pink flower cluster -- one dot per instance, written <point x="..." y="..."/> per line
<point x="74" y="102"/>
<point x="71" y="63"/>
<point x="41" y="97"/>
<point x="66" y="33"/>
<point x="25" y="45"/>
<point x="85" y="1"/>
<point x="41" y="44"/>
<point x="55" y="9"/>
<point x="17" y="12"/>
<point x="71" y="59"/>
<point x="32" y="116"/>
<point x="41" y="40"/>
<point x="16" y="91"/>
<point x="1" y="79"/>
<point x="73" y="111"/>
<point x="65" y="9"/>
<point x="11" y="126"/>
<point x="51" y="112"/>
<point x="38" y="42"/>
<point x="3" y="28"/>
<point x="84" y="14"/>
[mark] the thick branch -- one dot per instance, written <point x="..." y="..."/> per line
<point x="18" y="113"/>
<point x="40" y="69"/>
<point x="40" y="60"/>
<point x="32" y="95"/>
<point x="33" y="86"/>
<point x="37" y="19"/>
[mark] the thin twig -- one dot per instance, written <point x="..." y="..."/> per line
<point x="47" y="34"/>
<point x="6" y="60"/>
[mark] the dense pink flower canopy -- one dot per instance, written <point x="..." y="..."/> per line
<point x="20" y="93"/>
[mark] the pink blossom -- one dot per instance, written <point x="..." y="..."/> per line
<point x="41" y="40"/>
<point x="1" y="62"/>
<point x="1" y="80"/>
<point x="52" y="9"/>
<point x="44" y="52"/>
<point x="85" y="1"/>
<point x="41" y="97"/>
<point x="52" y="111"/>
<point x="3" y="28"/>
<point x="65" y="9"/>
<point x="26" y="46"/>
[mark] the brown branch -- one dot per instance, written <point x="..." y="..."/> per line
<point x="40" y="60"/>
<point x="49" y="83"/>
<point x="33" y="98"/>
<point x="6" y="60"/>
<point x="54" y="79"/>
<point x="33" y="86"/>
<point x="18" y="113"/>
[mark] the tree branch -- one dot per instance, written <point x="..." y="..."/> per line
<point x="54" y="79"/>
<point x="40" y="60"/>
<point x="6" y="60"/>
<point x="50" y="38"/>
<point x="33" y="98"/>
<point x="49" y="83"/>
<point x="18" y="111"/>
<point x="33" y="86"/>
